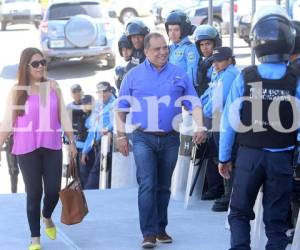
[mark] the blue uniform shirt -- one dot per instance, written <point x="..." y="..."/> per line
<point x="100" y="118"/>
<point x="227" y="133"/>
<point x="185" y="55"/>
<point x="145" y="83"/>
<point x="214" y="98"/>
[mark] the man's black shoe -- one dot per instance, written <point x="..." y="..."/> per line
<point x="208" y="196"/>
<point x="220" y="206"/>
<point x="223" y="200"/>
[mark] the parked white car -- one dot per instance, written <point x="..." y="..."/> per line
<point x="125" y="10"/>
<point x="296" y="11"/>
<point x="242" y="8"/>
<point x="20" y="11"/>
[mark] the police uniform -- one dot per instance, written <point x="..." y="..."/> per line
<point x="213" y="101"/>
<point x="204" y="70"/>
<point x="183" y="54"/>
<point x="79" y="118"/>
<point x="136" y="27"/>
<point x="215" y="187"/>
<point x="265" y="155"/>
<point x="120" y="70"/>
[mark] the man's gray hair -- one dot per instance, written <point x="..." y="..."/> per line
<point x="148" y="38"/>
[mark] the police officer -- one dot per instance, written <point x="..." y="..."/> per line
<point x="183" y="52"/>
<point x="125" y="50"/>
<point x="136" y="31"/>
<point x="295" y="62"/>
<point x="81" y="109"/>
<point x="206" y="39"/>
<point x="213" y="101"/>
<point x="266" y="147"/>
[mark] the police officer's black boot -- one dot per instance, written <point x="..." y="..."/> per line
<point x="221" y="205"/>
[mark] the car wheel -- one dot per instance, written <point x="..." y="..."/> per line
<point x="3" y="25"/>
<point x="37" y="25"/>
<point x="111" y="63"/>
<point x="217" y="23"/>
<point x="247" y="40"/>
<point x="127" y="14"/>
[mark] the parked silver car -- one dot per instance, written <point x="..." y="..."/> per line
<point x="77" y="29"/>
<point x="19" y="12"/>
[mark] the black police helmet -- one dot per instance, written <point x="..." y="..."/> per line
<point x="180" y="18"/>
<point x="207" y="32"/>
<point x="124" y="43"/>
<point x="272" y="35"/>
<point x="297" y="40"/>
<point x="136" y="27"/>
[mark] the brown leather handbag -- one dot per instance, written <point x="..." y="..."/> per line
<point x="74" y="205"/>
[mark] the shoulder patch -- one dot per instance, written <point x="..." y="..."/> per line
<point x="191" y="56"/>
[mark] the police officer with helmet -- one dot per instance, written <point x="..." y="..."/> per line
<point x="206" y="39"/>
<point x="136" y="31"/>
<point x="183" y="52"/>
<point x="125" y="49"/>
<point x="266" y="141"/>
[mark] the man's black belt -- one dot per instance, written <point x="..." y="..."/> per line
<point x="157" y="133"/>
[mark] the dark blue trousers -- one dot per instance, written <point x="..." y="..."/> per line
<point x="273" y="171"/>
<point x="92" y="178"/>
<point x="155" y="159"/>
<point x="41" y="170"/>
<point x="86" y="169"/>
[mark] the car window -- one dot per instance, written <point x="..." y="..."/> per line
<point x="66" y="10"/>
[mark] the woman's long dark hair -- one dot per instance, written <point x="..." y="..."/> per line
<point x="20" y="96"/>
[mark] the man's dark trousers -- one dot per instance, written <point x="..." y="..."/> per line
<point x="155" y="158"/>
<point x="273" y="171"/>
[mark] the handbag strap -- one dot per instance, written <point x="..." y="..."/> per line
<point x="72" y="171"/>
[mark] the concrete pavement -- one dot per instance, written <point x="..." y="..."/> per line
<point x="112" y="224"/>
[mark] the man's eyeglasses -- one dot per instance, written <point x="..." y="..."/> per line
<point x="36" y="64"/>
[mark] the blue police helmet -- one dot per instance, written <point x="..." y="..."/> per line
<point x="207" y="32"/>
<point x="124" y="43"/>
<point x="178" y="17"/>
<point x="136" y="27"/>
<point x="272" y="34"/>
<point x="297" y="39"/>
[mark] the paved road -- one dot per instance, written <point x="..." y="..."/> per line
<point x="18" y="37"/>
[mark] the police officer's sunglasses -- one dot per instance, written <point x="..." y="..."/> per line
<point x="36" y="64"/>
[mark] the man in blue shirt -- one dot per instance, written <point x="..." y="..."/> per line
<point x="213" y="100"/>
<point x="183" y="52"/>
<point x="154" y="93"/>
<point x="99" y="123"/>
<point x="266" y="139"/>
